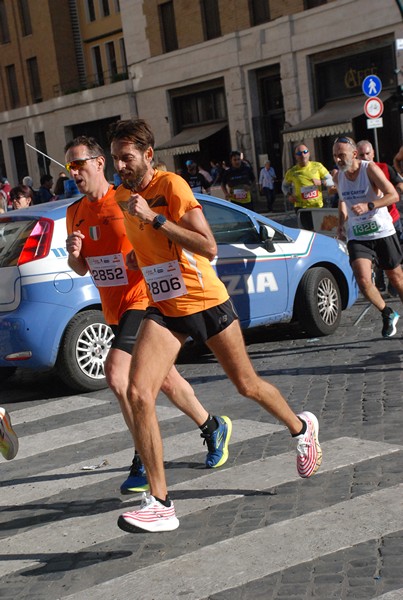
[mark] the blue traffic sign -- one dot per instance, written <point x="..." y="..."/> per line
<point x="372" y="86"/>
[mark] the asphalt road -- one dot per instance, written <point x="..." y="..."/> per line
<point x="250" y="530"/>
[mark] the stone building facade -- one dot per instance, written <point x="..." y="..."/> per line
<point x="209" y="75"/>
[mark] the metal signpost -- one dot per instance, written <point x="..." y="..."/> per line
<point x="373" y="106"/>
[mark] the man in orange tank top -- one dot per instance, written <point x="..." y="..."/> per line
<point x="173" y="246"/>
<point x="97" y="243"/>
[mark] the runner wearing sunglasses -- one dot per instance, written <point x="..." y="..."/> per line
<point x="302" y="184"/>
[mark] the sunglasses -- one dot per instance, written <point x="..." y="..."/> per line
<point x="78" y="163"/>
<point x="343" y="140"/>
<point x="301" y="152"/>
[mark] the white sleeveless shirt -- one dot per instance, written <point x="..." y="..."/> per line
<point x="372" y="225"/>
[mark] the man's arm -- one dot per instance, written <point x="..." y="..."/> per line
<point x="224" y="184"/>
<point x="343" y="215"/>
<point x="75" y="259"/>
<point x="205" y="184"/>
<point x="380" y="182"/>
<point x="192" y="232"/>
<point x="397" y="161"/>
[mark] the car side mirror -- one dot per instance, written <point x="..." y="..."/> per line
<point x="266" y="235"/>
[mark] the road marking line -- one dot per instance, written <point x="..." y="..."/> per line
<point x="52" y="409"/>
<point x="54" y="439"/>
<point x="95" y="529"/>
<point x="49" y="483"/>
<point x="251" y="556"/>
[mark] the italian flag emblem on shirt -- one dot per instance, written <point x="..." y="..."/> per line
<point x="95" y="233"/>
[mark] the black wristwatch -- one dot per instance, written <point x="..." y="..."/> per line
<point x="158" y="221"/>
<point x="371" y="206"/>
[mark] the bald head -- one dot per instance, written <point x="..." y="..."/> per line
<point x="365" y="150"/>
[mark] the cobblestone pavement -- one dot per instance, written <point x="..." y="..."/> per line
<point x="251" y="530"/>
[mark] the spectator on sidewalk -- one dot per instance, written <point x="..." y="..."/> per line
<point x="44" y="192"/>
<point x="267" y="177"/>
<point x="21" y="196"/>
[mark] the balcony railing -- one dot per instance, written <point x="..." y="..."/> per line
<point x="94" y="81"/>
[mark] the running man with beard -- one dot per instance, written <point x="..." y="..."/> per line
<point x="173" y="246"/>
<point x="97" y="243"/>
<point x="365" y="194"/>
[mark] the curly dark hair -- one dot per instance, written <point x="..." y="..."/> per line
<point x="136" y="131"/>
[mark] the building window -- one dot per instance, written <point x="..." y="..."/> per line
<point x="199" y="107"/>
<point x="168" y="26"/>
<point x="123" y="58"/>
<point x="312" y="3"/>
<point x="111" y="58"/>
<point x="211" y="19"/>
<point x="259" y="11"/>
<point x="117" y="6"/>
<point x="3" y="171"/>
<point x="4" y="32"/>
<point x="12" y="86"/>
<point x="97" y="60"/>
<point x="20" y="158"/>
<point x="25" y="17"/>
<point x="43" y="161"/>
<point x="34" y="81"/>
<point x="105" y="10"/>
<point x="90" y="10"/>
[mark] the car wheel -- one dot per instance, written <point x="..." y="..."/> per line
<point x="318" y="302"/>
<point x="6" y="372"/>
<point x="85" y="344"/>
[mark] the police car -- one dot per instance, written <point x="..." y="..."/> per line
<point x="50" y="317"/>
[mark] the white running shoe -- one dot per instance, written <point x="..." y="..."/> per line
<point x="151" y="516"/>
<point x="309" y="452"/>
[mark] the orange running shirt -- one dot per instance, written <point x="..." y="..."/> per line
<point x="105" y="236"/>
<point x="167" y="267"/>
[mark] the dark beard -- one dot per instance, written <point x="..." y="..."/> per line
<point x="134" y="184"/>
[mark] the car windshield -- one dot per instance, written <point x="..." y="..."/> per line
<point x="13" y="235"/>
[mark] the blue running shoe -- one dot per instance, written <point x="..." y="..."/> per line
<point x="217" y="443"/>
<point x="137" y="480"/>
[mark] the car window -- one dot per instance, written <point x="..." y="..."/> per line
<point x="279" y="236"/>
<point x="13" y="235"/>
<point x="230" y="226"/>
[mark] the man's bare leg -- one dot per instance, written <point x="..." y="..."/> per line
<point x="229" y="348"/>
<point x="362" y="269"/>
<point x="175" y="387"/>
<point x="395" y="277"/>
<point x="154" y="355"/>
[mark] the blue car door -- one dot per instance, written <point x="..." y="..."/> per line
<point x="256" y="278"/>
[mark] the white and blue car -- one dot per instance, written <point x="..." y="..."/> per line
<point x="51" y="317"/>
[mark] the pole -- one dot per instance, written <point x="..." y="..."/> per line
<point x="43" y="154"/>
<point x="376" y="144"/>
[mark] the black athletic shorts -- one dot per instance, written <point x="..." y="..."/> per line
<point x="385" y="251"/>
<point x="200" y="326"/>
<point x="126" y="331"/>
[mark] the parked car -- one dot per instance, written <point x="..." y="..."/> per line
<point x="51" y="317"/>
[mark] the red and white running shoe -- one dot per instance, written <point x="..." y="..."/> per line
<point x="151" y="516"/>
<point x="309" y="452"/>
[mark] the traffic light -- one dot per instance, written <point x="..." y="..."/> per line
<point x="399" y="98"/>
